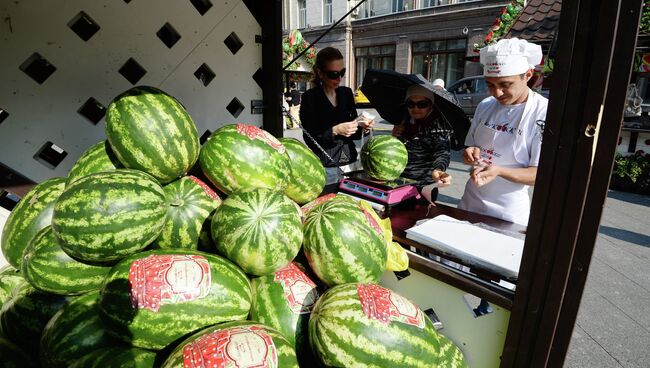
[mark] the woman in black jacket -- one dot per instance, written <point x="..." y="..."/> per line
<point x="427" y="140"/>
<point x="329" y="116"/>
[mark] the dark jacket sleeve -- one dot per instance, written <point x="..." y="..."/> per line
<point x="312" y="121"/>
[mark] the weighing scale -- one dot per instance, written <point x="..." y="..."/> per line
<point x="388" y="193"/>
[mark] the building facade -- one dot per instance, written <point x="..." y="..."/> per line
<point x="432" y="37"/>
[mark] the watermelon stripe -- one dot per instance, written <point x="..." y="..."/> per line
<point x="97" y="158"/>
<point x="307" y="178"/>
<point x="384" y="157"/>
<point x="117" y="357"/>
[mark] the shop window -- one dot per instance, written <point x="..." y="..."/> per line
<point x="327" y="12"/>
<point x="302" y="13"/>
<point x="373" y="57"/>
<point x="443" y="59"/>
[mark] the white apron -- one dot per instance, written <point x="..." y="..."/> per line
<point x="508" y="136"/>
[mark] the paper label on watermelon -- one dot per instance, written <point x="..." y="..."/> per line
<point x="371" y="220"/>
<point x="299" y="290"/>
<point x="241" y="347"/>
<point x="253" y="132"/>
<point x="383" y="305"/>
<point x="167" y="279"/>
<point x="211" y="193"/>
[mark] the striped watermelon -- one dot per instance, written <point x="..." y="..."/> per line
<point x="13" y="356"/>
<point x="48" y="268"/>
<point x="307" y="178"/>
<point x="25" y="315"/>
<point x="343" y="243"/>
<point x="106" y="216"/>
<point x="10" y="280"/>
<point x="152" y="298"/>
<point x="191" y="202"/>
<point x="241" y="156"/>
<point x="258" y="229"/>
<point x="117" y="357"/>
<point x="73" y="332"/>
<point x="150" y="131"/>
<point x="234" y="344"/>
<point x="366" y="325"/>
<point x="384" y="157"/>
<point x="31" y="214"/>
<point x="97" y="158"/>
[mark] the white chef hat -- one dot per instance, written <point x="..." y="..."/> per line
<point x="510" y="56"/>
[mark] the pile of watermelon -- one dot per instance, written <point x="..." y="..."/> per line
<point x="159" y="252"/>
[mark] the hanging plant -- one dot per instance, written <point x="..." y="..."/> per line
<point x="294" y="44"/>
<point x="502" y="23"/>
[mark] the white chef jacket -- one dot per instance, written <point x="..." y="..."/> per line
<point x="508" y="136"/>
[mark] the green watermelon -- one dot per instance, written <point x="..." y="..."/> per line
<point x="241" y="156"/>
<point x="31" y="214"/>
<point x="324" y="198"/>
<point x="97" y="158"/>
<point x="106" y="216"/>
<point x="25" y="315"/>
<point x="234" y="344"/>
<point x="73" y="332"/>
<point x="10" y="280"/>
<point x="366" y="325"/>
<point x="117" y="357"/>
<point x="48" y="268"/>
<point x="191" y="203"/>
<point x="343" y="243"/>
<point x="258" y="229"/>
<point x="150" y="131"/>
<point x="152" y="298"/>
<point x="14" y="356"/>
<point x="384" y="157"/>
<point x="307" y="178"/>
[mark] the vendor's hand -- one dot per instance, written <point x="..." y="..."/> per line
<point x="443" y="179"/>
<point x="482" y="175"/>
<point x="471" y="155"/>
<point x="346" y="129"/>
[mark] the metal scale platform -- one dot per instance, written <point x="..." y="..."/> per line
<point x="386" y="193"/>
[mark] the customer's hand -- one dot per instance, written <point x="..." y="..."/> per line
<point x="471" y="155"/>
<point x="346" y="129"/>
<point x="443" y="179"/>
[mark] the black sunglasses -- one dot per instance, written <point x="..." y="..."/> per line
<point x="422" y="104"/>
<point x="334" y="74"/>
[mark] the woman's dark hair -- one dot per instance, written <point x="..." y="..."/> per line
<point x="323" y="57"/>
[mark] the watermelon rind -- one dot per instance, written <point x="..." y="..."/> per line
<point x="117" y="357"/>
<point x="384" y="157"/>
<point x="307" y="178"/>
<point x="13" y="356"/>
<point x="10" y="280"/>
<point x="98" y="158"/>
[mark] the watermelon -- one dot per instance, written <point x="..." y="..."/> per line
<point x="10" y="279"/>
<point x="14" y="356"/>
<point x="106" y="216"/>
<point x="48" y="268"/>
<point x="31" y="214"/>
<point x="152" y="298"/>
<point x="258" y="229"/>
<point x="241" y="156"/>
<point x="343" y="243"/>
<point x="117" y="357"/>
<point x="73" y="332"/>
<point x="367" y="325"/>
<point x="324" y="198"/>
<point x="97" y="158"/>
<point x="307" y="178"/>
<point x="150" y="131"/>
<point x="191" y="203"/>
<point x="234" y="344"/>
<point x="384" y="157"/>
<point x="25" y="315"/>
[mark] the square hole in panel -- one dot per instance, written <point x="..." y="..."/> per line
<point x="83" y="26"/>
<point x="258" y="77"/>
<point x="205" y="136"/>
<point x="8" y="201"/>
<point x="204" y="74"/>
<point x="3" y="115"/>
<point x="127" y="1"/>
<point x="38" y="68"/>
<point x="233" y="43"/>
<point x="50" y="155"/>
<point x="168" y="35"/>
<point x="132" y="71"/>
<point x="202" y="5"/>
<point x="235" y="107"/>
<point x="92" y="110"/>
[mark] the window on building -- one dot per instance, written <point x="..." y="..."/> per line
<point x="440" y="59"/>
<point x="327" y="11"/>
<point x="402" y="5"/>
<point x="373" y="57"/>
<point x="302" y="13"/>
<point x="430" y="3"/>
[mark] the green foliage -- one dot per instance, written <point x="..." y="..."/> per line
<point x="502" y="23"/>
<point x="645" y="17"/>
<point x="632" y="166"/>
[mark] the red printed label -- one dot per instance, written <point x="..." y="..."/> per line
<point x="383" y="305"/>
<point x="253" y="132"/>
<point x="240" y="347"/>
<point x="299" y="290"/>
<point x="371" y="220"/>
<point x="167" y="279"/>
<point x="211" y="193"/>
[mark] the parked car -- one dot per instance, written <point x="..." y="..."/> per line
<point x="471" y="91"/>
<point x="360" y="99"/>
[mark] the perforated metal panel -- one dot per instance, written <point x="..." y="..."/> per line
<point x="62" y="62"/>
